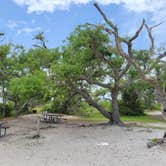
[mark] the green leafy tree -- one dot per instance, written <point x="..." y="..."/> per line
<point x="29" y="90"/>
<point x="89" y="62"/>
<point x="5" y="74"/>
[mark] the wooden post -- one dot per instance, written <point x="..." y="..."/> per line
<point x="38" y="127"/>
<point x="0" y="130"/>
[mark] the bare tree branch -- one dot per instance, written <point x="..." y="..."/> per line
<point x="149" y="30"/>
<point x="118" y="42"/>
<point x="105" y="18"/>
<point x="156" y="25"/>
<point x="138" y="31"/>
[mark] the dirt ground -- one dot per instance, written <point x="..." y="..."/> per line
<point x="72" y="144"/>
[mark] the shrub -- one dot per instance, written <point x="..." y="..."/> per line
<point x="132" y="103"/>
<point x="155" y="106"/>
<point x="47" y="107"/>
<point x="125" y="110"/>
<point x="8" y="109"/>
<point x="52" y="107"/>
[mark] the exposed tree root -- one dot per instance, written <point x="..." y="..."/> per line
<point x="157" y="141"/>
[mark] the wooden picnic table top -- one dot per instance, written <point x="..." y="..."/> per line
<point x="52" y="117"/>
<point x="52" y="114"/>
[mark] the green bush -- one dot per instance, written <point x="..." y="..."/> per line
<point x="1" y="109"/>
<point x="138" y="96"/>
<point x="125" y="110"/>
<point x="8" y="108"/>
<point x="131" y="105"/>
<point x="155" y="106"/>
<point x="54" y="107"/>
<point x="48" y="107"/>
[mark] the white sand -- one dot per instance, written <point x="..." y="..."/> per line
<point x="69" y="145"/>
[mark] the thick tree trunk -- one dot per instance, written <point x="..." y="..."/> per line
<point x="115" y="108"/>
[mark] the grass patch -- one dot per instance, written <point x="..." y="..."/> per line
<point x="144" y="119"/>
<point x="97" y="117"/>
<point x="94" y="117"/>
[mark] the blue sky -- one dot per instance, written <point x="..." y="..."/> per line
<point x="20" y="20"/>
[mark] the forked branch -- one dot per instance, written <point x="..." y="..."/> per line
<point x="149" y="30"/>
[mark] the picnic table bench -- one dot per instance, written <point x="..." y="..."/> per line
<point x="51" y="117"/>
<point x="4" y="127"/>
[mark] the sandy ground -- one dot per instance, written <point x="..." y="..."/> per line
<point x="68" y="144"/>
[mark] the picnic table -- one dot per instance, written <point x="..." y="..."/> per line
<point x="3" y="127"/>
<point x="51" y="117"/>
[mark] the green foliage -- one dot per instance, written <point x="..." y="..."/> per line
<point x="48" y="107"/>
<point x="28" y="86"/>
<point x="125" y="110"/>
<point x="41" y="59"/>
<point x="85" y="110"/>
<point x="132" y="73"/>
<point x="5" y="64"/>
<point x="107" y="105"/>
<point x="132" y="104"/>
<point x="155" y="106"/>
<point x="53" y="106"/>
<point x="142" y="57"/>
<point x="32" y="88"/>
<point x="49" y="77"/>
<point x="8" y="110"/>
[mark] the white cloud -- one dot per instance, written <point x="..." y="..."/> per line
<point x="28" y="30"/>
<point x="51" y="5"/>
<point x="48" y="5"/>
<point x="138" y="5"/>
<point x="156" y="7"/>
